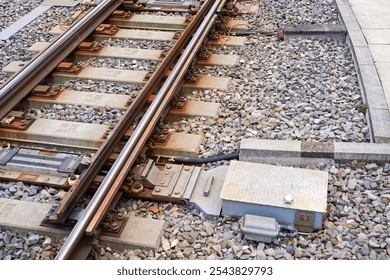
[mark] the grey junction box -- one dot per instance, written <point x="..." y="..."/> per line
<point x="291" y="195"/>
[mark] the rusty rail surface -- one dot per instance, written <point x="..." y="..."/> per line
<point x="21" y="84"/>
<point x="115" y="177"/>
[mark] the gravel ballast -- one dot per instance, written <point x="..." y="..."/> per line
<point x="297" y="90"/>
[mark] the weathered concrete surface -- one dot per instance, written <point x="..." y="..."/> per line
<point x="23" y="216"/>
<point x="335" y="31"/>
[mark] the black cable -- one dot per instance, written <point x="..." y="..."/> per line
<point x="206" y="160"/>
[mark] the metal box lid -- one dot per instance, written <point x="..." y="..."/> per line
<point x="277" y="186"/>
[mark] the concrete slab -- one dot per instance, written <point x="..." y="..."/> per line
<point x="380" y="53"/>
<point x="374" y="8"/>
<point x="132" y="34"/>
<point x="230" y="41"/>
<point x="369" y="75"/>
<point x="138" y="35"/>
<point x="217" y="59"/>
<point x="14" y="66"/>
<point x="380" y="120"/>
<point x="376" y="22"/>
<point x="61" y="3"/>
<point x="23" y="216"/>
<point x="236" y="25"/>
<point x="179" y="144"/>
<point x="141" y="54"/>
<point x="383" y="71"/>
<point x="82" y="98"/>
<point x="347" y="151"/>
<point x="357" y="38"/>
<point x="60" y="132"/>
<point x="137" y="20"/>
<point x="138" y="233"/>
<point x="386" y="89"/>
<point x="363" y="55"/>
<point x="103" y="74"/>
<point x="261" y="148"/>
<point x="375" y="97"/>
<point x="207" y="82"/>
<point x="377" y="36"/>
<point x="335" y="31"/>
<point x="194" y="109"/>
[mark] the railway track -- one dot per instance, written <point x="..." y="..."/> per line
<point x="83" y="150"/>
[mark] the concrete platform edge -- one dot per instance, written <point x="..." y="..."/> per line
<point x="373" y="95"/>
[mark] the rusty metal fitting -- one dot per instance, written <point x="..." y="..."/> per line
<point x="203" y="55"/>
<point x="111" y="126"/>
<point x="23" y="123"/>
<point x="129" y="101"/>
<point x="177" y="35"/>
<point x="120" y="216"/>
<point x="114" y="227"/>
<point x="213" y="35"/>
<point x="133" y="95"/>
<point x="121" y="14"/>
<point x="191" y="78"/>
<point x="189" y="18"/>
<point x="106" y="29"/>
<point x="4" y="144"/>
<point x="148" y="75"/>
<point x="163" y="54"/>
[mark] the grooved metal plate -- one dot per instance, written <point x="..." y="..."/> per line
<point x="263" y="184"/>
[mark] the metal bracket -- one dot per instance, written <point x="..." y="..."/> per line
<point x="44" y="91"/>
<point x="69" y="68"/>
<point x="89" y="47"/>
<point x="106" y="29"/>
<point x="121" y="14"/>
<point x="17" y="120"/>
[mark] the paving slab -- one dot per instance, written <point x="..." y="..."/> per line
<point x="24" y="216"/>
<point x="371" y="8"/>
<point x="376" y="22"/>
<point x="380" y="53"/>
<point x="383" y="71"/>
<point x="377" y="36"/>
<point x="380" y="120"/>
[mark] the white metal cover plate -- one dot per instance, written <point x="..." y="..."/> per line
<point x="268" y="185"/>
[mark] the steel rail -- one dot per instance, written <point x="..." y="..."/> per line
<point x="21" y="84"/>
<point x="88" y="176"/>
<point x="174" y="89"/>
<point x="79" y="229"/>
